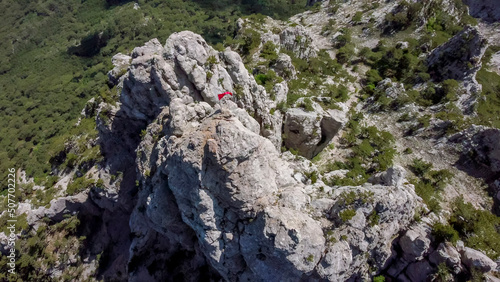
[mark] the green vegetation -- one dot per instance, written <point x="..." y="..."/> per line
<point x="372" y="151"/>
<point x="79" y="184"/>
<point x="269" y="52"/>
<point x="346" y="215"/>
<point x="268" y="80"/>
<point x="404" y="16"/>
<point x="311" y="79"/>
<point x="488" y="108"/>
<point x="307" y="105"/>
<point x="429" y="183"/>
<point x="477" y="228"/>
<point x="46" y="248"/>
<point x="379" y="278"/>
<point x="443" y="272"/>
<point x="373" y="218"/>
<point x="444" y="232"/>
<point x="310" y="258"/>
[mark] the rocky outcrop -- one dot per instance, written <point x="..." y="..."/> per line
<point x="415" y="243"/>
<point x="309" y="132"/>
<point x="475" y="259"/>
<point x="298" y="40"/>
<point x="189" y="69"/>
<point x="394" y="176"/>
<point x="213" y="186"/>
<point x="391" y="89"/>
<point x="487" y="10"/>
<point x="121" y="63"/>
<point x="284" y="67"/>
<point x="480" y="148"/>
<point x="460" y="59"/>
<point x="62" y="206"/>
<point x="448" y="254"/>
<point x="481" y="142"/>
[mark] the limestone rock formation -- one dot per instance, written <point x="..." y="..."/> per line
<point x="476" y="259"/>
<point x="121" y="63"/>
<point x="309" y="132"/>
<point x="394" y="176"/>
<point x="415" y="243"/>
<point x="391" y="90"/>
<point x="483" y="142"/>
<point x="213" y="185"/>
<point x="460" y="59"/>
<point x="448" y="254"/>
<point x="487" y="10"/>
<point x="298" y="40"/>
<point x="284" y="67"/>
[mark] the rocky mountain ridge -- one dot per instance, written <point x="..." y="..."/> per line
<point x="205" y="186"/>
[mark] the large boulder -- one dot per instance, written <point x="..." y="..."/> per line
<point x="448" y="254"/>
<point x="415" y="242"/>
<point x="284" y="67"/>
<point x="460" y="59"/>
<point x="309" y="132"/>
<point x="475" y="259"/>
<point x="394" y="176"/>
<point x="481" y="145"/>
<point x="488" y="10"/>
<point x="298" y="40"/>
<point x="419" y="271"/>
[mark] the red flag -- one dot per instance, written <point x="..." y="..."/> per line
<point x="224" y="94"/>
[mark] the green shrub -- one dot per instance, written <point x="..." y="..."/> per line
<point x="357" y="17"/>
<point x="346" y="215"/>
<point x="268" y="80"/>
<point x="79" y="184"/>
<point x="250" y="39"/>
<point x="488" y="108"/>
<point x="268" y="52"/>
<point x="344" y="38"/>
<point x="345" y="53"/>
<point x="444" y="232"/>
<point x="420" y="167"/>
<point x="477" y="228"/>
<point x="379" y="278"/>
<point x="307" y="105"/>
<point x="71" y="160"/>
<point x="373" y="218"/>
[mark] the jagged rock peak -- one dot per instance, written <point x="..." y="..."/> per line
<point x="189" y="69"/>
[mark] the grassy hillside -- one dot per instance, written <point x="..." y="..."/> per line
<point x="54" y="56"/>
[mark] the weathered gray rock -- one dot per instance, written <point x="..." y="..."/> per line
<point x="298" y="40"/>
<point x="448" y="254"/>
<point x="476" y="259"/>
<point x="121" y="63"/>
<point x="61" y="206"/>
<point x="488" y="10"/>
<point x="419" y="271"/>
<point x="391" y="89"/>
<point x="284" y="67"/>
<point x="460" y="59"/>
<point x="415" y="242"/>
<point x="483" y="143"/>
<point x="394" y="176"/>
<point x="310" y="132"/>
<point x="210" y="185"/>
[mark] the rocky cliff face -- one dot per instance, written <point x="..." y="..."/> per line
<point x="206" y="194"/>
<point x="487" y="10"/>
<point x="213" y="184"/>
